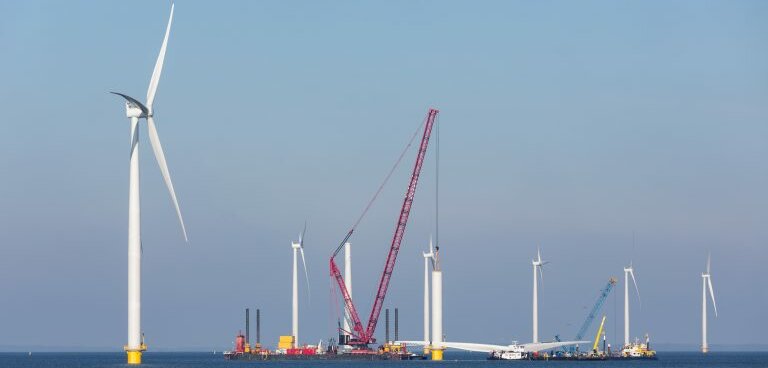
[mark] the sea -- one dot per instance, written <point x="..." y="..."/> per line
<point x="452" y="359"/>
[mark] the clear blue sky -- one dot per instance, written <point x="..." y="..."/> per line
<point x="563" y="124"/>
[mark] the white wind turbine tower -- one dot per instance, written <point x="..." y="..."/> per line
<point x="537" y="264"/>
<point x="347" y="282"/>
<point x="437" y="346"/>
<point x="628" y="271"/>
<point x="135" y="110"/>
<point x="429" y="258"/>
<point x="297" y="247"/>
<point x="706" y="282"/>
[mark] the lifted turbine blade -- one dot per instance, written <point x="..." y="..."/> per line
<point x="153" y="82"/>
<point x="154" y="139"/>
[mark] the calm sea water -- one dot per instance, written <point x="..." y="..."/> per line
<point x="453" y="359"/>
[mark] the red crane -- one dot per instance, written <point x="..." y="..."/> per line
<point x="361" y="337"/>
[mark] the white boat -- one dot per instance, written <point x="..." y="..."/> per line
<point x="513" y="352"/>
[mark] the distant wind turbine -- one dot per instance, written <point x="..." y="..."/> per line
<point x="706" y="279"/>
<point x="538" y="264"/>
<point x="628" y="271"/>
<point x="298" y="247"/>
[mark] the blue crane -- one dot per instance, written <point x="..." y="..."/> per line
<point x="595" y="310"/>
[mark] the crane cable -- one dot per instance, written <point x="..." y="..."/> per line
<point x="437" y="194"/>
<point x="381" y="187"/>
<point x="333" y="295"/>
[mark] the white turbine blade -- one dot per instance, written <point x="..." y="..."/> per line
<point x="632" y="273"/>
<point x="709" y="259"/>
<point x="538" y="254"/>
<point x="712" y="294"/>
<point x="541" y="274"/>
<point x="301" y="236"/>
<point x="153" y="82"/>
<point x="154" y="139"/>
<point x="306" y="274"/>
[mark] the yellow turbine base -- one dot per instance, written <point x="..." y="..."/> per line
<point x="426" y="350"/>
<point x="134" y="357"/>
<point x="437" y="354"/>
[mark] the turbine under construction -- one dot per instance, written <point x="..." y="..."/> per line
<point x="354" y="339"/>
<point x="361" y="337"/>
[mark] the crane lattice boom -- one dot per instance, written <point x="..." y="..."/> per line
<point x="365" y="337"/>
<point x="596" y="308"/>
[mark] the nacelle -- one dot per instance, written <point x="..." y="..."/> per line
<point x="134" y="111"/>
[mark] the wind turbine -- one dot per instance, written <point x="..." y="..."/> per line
<point x="706" y="282"/>
<point x="628" y="271"/>
<point x="298" y="247"/>
<point x="429" y="258"/>
<point x="537" y="264"/>
<point x="135" y="110"/>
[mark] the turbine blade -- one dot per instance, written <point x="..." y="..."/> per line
<point x="538" y="254"/>
<point x="301" y="236"/>
<point x="709" y="261"/>
<point x="306" y="274"/>
<point x="153" y="82"/>
<point x="541" y="274"/>
<point x="712" y="294"/>
<point x="154" y="139"/>
<point x="632" y="273"/>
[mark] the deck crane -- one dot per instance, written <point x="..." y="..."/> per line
<point x="597" y="337"/>
<point x="595" y="309"/>
<point x="363" y="337"/>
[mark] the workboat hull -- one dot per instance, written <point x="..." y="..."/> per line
<point x="601" y="357"/>
<point x="328" y="356"/>
<point x="508" y="355"/>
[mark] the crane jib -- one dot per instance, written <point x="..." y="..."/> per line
<point x="357" y="325"/>
<point x="366" y="337"/>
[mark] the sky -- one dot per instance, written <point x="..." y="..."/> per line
<point x="565" y="125"/>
